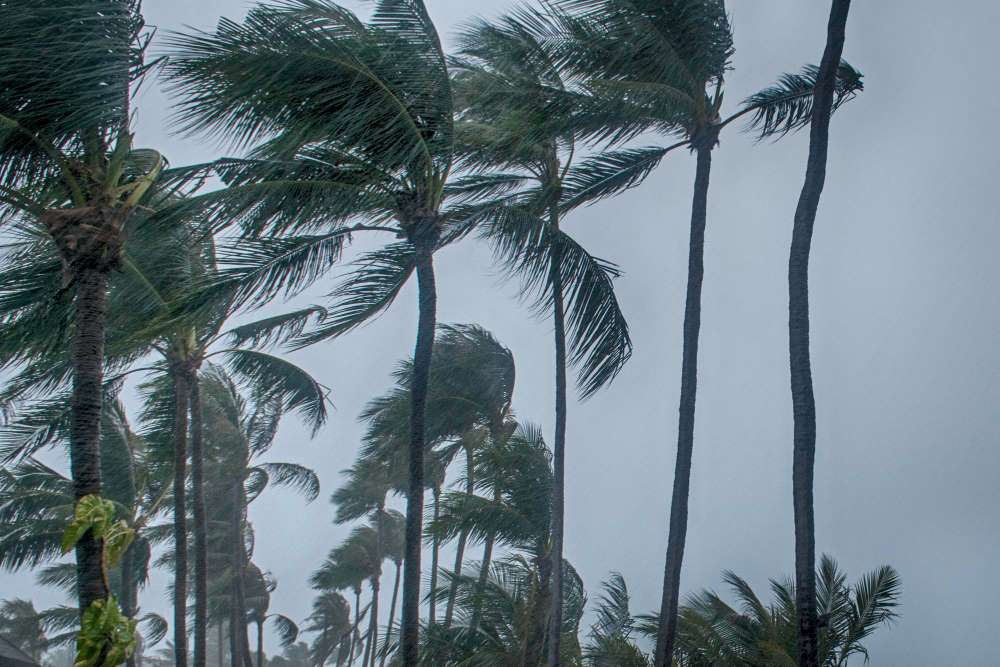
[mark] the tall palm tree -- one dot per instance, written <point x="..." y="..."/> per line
<point x="660" y="66"/>
<point x="70" y="171"/>
<point x="803" y="401"/>
<point x="521" y="187"/>
<point x="348" y="121"/>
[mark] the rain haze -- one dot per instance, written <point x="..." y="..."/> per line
<point x="905" y="313"/>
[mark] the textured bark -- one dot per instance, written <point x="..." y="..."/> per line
<point x="392" y="612"/>
<point x="685" y="431"/>
<point x="463" y="538"/>
<point x="181" y="391"/>
<point x="200" y="525"/>
<point x="85" y="425"/>
<point x="559" y="452"/>
<point x="435" y="552"/>
<point x="803" y="401"/>
<point x="422" y="354"/>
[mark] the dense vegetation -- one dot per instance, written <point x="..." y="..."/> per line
<point x="118" y="265"/>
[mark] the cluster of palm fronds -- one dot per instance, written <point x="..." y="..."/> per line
<point x="117" y="263"/>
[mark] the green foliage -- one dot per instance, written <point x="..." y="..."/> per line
<point x="107" y="638"/>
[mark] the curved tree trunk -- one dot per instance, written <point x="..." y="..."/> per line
<point x="181" y="392"/>
<point x="463" y="538"/>
<point x="685" y="430"/>
<point x="85" y="425"/>
<point x="803" y="401"/>
<point x="435" y="552"/>
<point x="200" y="526"/>
<point x="559" y="449"/>
<point x="392" y="614"/>
<point x="422" y="354"/>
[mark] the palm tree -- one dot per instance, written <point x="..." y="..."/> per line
<point x="348" y="120"/>
<point x="22" y="624"/>
<point x="70" y="172"/>
<point x="522" y="185"/>
<point x="803" y="402"/>
<point x="660" y="66"/>
<point x="712" y="632"/>
<point x="331" y="620"/>
<point x="260" y="585"/>
<point x="610" y="643"/>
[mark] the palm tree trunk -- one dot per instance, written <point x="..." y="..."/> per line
<point x="803" y="401"/>
<point x="181" y="392"/>
<point x="424" y="245"/>
<point x="435" y="552"/>
<point x="372" y="643"/>
<point x="221" y="653"/>
<point x="392" y="614"/>
<point x="235" y="659"/>
<point x="685" y="431"/>
<point x="357" y="623"/>
<point x="260" y="642"/>
<point x="559" y="446"/>
<point x="463" y="538"/>
<point x="484" y="573"/>
<point x="128" y="587"/>
<point x="85" y="426"/>
<point x="200" y="527"/>
<point x="238" y="565"/>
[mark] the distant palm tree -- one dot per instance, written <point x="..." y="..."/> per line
<point x="69" y="172"/>
<point x="21" y="624"/>
<point x="825" y="100"/>
<point x="331" y="621"/>
<point x="660" y="66"/>
<point x="260" y="585"/>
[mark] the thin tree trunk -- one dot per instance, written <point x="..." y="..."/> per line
<point x="128" y="598"/>
<point x="435" y="549"/>
<point x="239" y="554"/>
<point x="372" y="643"/>
<point x="803" y="401"/>
<point x="422" y="355"/>
<point x="357" y="624"/>
<point x="85" y="425"/>
<point x="685" y="430"/>
<point x="463" y="538"/>
<point x="260" y="643"/>
<point x="484" y="573"/>
<point x="392" y="614"/>
<point x="181" y="391"/>
<point x="559" y="447"/>
<point x="200" y="526"/>
<point x="221" y="652"/>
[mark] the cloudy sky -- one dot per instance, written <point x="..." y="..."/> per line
<point x="905" y="316"/>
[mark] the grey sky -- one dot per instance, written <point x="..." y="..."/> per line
<point x="905" y="315"/>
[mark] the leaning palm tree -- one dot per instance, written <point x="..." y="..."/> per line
<point x="660" y="66"/>
<point x="521" y="187"/>
<point x="69" y="171"/>
<point x="331" y="621"/>
<point x="351" y="129"/>
<point x="825" y="100"/>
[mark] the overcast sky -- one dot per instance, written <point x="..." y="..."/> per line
<point x="904" y="314"/>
